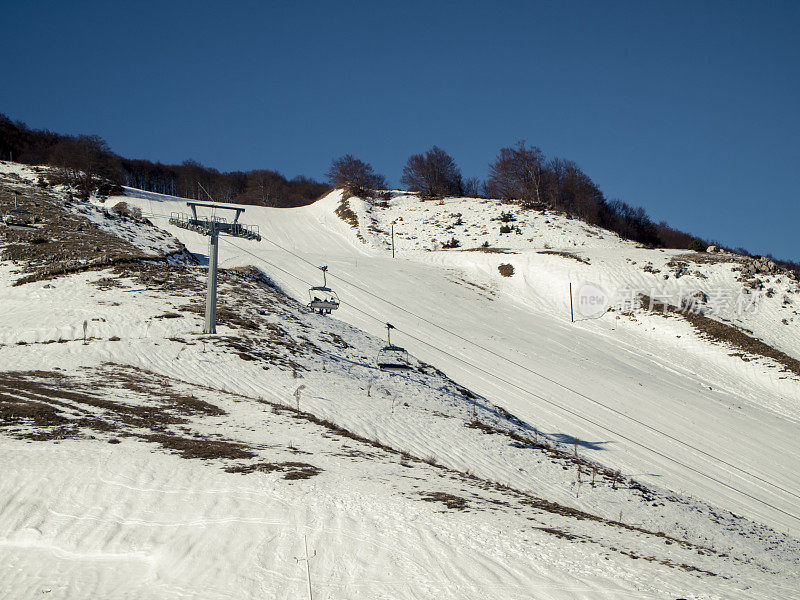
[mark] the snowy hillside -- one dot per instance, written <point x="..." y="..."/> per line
<point x="718" y="398"/>
<point x="147" y="461"/>
<point x="538" y="241"/>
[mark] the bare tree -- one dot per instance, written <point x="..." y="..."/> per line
<point x="297" y="393"/>
<point x="355" y="177"/>
<point x="474" y="187"/>
<point x="191" y="175"/>
<point x="517" y="174"/>
<point x="227" y="186"/>
<point x="433" y="174"/>
<point x="264" y="187"/>
<point x="83" y="159"/>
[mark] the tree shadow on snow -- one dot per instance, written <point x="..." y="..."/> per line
<point x="482" y="405"/>
<point x="570" y="440"/>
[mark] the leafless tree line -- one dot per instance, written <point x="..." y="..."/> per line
<point x="86" y="162"/>
<point x="519" y="174"/>
<point x="522" y="175"/>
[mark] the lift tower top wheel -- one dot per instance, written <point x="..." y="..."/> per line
<point x="213" y="226"/>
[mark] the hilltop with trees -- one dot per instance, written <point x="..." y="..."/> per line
<point x="85" y="161"/>
<point x="520" y="174"/>
<point x="355" y="177"/>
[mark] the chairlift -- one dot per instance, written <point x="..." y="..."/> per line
<point x="391" y="357"/>
<point x="323" y="298"/>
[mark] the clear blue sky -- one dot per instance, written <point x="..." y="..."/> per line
<point x="690" y="109"/>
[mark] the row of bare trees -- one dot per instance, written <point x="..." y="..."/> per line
<point x="83" y="161"/>
<point x="191" y="179"/>
<point x="520" y="174"/>
<point x="87" y="162"/>
<point x="433" y="174"/>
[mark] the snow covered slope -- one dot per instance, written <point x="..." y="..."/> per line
<point x="152" y="462"/>
<point x="737" y="415"/>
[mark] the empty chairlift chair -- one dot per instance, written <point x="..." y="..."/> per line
<point x="391" y="357"/>
<point x="323" y="298"/>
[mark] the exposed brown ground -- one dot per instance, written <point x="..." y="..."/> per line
<point x="565" y="255"/>
<point x="62" y="241"/>
<point x="715" y="331"/>
<point x="506" y="270"/>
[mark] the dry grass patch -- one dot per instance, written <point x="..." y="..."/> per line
<point x="716" y="331"/>
<point x="506" y="270"/>
<point x="490" y="250"/>
<point x="113" y="398"/>
<point x="449" y="500"/>
<point x="291" y="470"/>
<point x="565" y="254"/>
<point x="61" y="243"/>
<point x="202" y="448"/>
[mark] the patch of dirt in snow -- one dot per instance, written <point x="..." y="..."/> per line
<point x="506" y="270"/>
<point x="489" y="250"/>
<point x="565" y="254"/>
<point x="747" y="347"/>
<point x="449" y="500"/>
<point x="290" y="469"/>
<point x="346" y="214"/>
<point x="69" y="236"/>
<point x="197" y="447"/>
<point x="49" y="405"/>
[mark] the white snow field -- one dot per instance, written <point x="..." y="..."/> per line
<point x="656" y="370"/>
<point x="153" y="462"/>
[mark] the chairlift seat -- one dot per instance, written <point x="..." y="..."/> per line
<point x="393" y="358"/>
<point x="323" y="299"/>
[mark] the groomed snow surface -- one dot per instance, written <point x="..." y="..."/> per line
<point x="407" y="504"/>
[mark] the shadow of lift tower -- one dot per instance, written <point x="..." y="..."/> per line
<point x="213" y="226"/>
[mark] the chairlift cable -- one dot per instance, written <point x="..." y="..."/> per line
<point x="545" y="377"/>
<point x="534" y="394"/>
<point x="571" y="412"/>
<point x="529" y="370"/>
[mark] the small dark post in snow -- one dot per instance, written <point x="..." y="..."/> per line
<point x="571" y="311"/>
<point x="392" y="240"/>
<point x="85" y="325"/>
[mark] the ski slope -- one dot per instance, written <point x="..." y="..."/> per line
<point x="654" y="370"/>
<point x="384" y="475"/>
